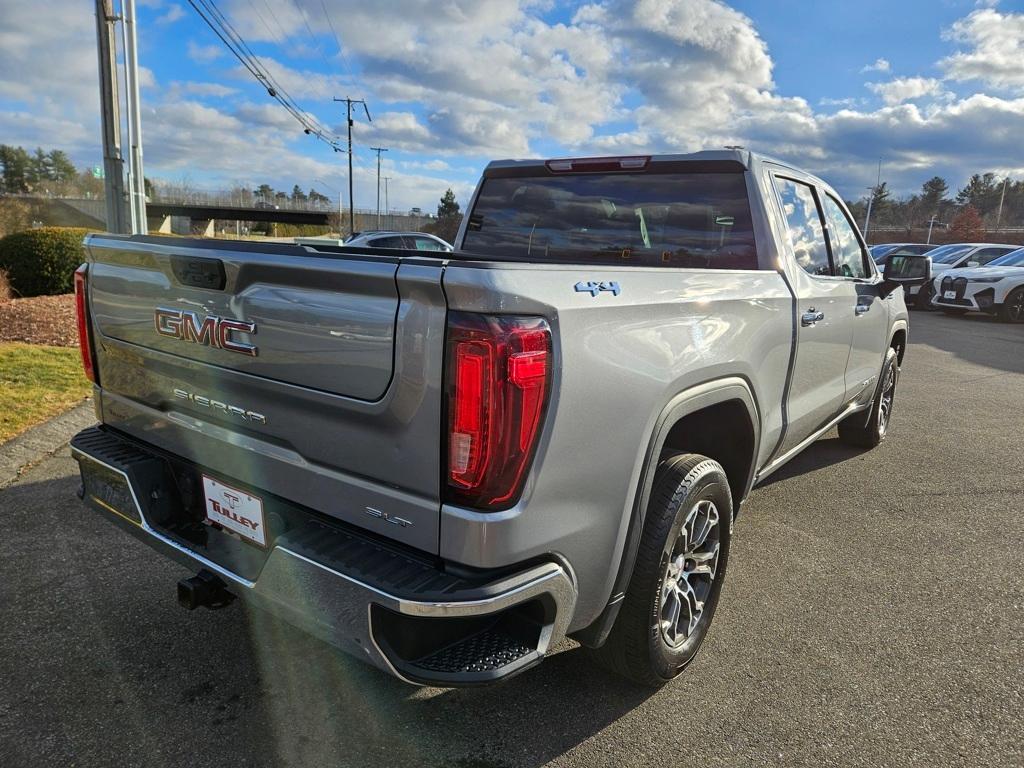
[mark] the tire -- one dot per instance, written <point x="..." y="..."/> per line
<point x="1012" y="310"/>
<point x="690" y="496"/>
<point x="869" y="432"/>
<point x="924" y="298"/>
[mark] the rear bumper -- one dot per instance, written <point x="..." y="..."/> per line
<point x="404" y="613"/>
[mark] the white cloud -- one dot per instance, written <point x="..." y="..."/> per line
<point x="995" y="49"/>
<point x="880" y="65"/>
<point x="191" y="88"/>
<point x="904" y="89"/>
<point x="173" y="14"/>
<point x="203" y="54"/>
<point x="465" y="80"/>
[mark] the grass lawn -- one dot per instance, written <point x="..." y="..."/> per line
<point x="37" y="382"/>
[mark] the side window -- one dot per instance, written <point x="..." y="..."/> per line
<point x="388" y="242"/>
<point x="804" y="223"/>
<point x="426" y="244"/>
<point x="985" y="255"/>
<point x="846" y="251"/>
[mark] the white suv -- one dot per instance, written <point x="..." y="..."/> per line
<point x="997" y="288"/>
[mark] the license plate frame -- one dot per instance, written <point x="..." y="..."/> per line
<point x="235" y="510"/>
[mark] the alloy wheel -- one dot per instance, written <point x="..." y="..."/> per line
<point x="885" y="403"/>
<point x="690" y="573"/>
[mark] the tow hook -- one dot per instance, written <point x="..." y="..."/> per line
<point x="204" y="589"/>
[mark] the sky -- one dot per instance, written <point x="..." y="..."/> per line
<point x="926" y="86"/>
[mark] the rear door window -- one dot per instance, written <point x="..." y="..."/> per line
<point x="669" y="219"/>
<point x="427" y="244"/>
<point x="847" y="255"/>
<point x="806" y="231"/>
<point x="388" y="242"/>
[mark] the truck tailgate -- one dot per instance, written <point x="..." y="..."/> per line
<point x="313" y="375"/>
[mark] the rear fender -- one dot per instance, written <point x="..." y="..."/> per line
<point x="686" y="403"/>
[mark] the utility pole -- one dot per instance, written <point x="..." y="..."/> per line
<point x="378" y="150"/>
<point x="1002" y="197"/>
<point x="136" y="176"/>
<point x="113" y="166"/>
<point x="931" y="223"/>
<point x="348" y="111"/>
<point x="387" y="206"/>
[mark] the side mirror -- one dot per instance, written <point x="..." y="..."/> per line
<point x="907" y="269"/>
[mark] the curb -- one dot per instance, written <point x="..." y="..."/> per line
<point x="43" y="440"/>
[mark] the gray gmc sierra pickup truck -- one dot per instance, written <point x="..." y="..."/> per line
<point x="446" y="463"/>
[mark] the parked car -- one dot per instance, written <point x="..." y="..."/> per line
<point x="415" y="241"/>
<point x="997" y="288"/>
<point x="881" y="251"/>
<point x="444" y="463"/>
<point x="953" y="256"/>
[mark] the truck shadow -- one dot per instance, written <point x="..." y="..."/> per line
<point x="825" y="452"/>
<point x="365" y="714"/>
<point x="237" y="686"/>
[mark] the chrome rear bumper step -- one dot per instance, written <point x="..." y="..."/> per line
<point x="401" y="612"/>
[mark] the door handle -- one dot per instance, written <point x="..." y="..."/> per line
<point x="860" y="309"/>
<point x="810" y="317"/>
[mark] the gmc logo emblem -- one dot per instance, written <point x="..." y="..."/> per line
<point x="212" y="331"/>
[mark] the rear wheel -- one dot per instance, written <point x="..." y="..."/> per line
<point x="1012" y="310"/>
<point x="678" y="574"/>
<point x="868" y="433"/>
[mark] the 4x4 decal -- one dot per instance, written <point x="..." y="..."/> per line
<point x="594" y="288"/>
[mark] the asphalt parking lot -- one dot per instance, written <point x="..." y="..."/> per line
<point x="872" y="616"/>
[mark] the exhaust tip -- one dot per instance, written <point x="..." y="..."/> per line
<point x="204" y="589"/>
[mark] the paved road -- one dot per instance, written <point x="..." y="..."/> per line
<point x="872" y="616"/>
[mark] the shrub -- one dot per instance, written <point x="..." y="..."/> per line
<point x="6" y="292"/>
<point x="15" y="215"/>
<point x="42" y="261"/>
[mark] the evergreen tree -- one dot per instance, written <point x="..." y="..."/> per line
<point x="449" y="206"/>
<point x="15" y="162"/>
<point x="933" y="193"/>
<point x="448" y="217"/>
<point x="61" y="168"/>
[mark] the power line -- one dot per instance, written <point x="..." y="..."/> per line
<point x="222" y="27"/>
<point x="337" y="39"/>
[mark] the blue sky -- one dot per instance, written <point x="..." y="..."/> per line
<point x="928" y="87"/>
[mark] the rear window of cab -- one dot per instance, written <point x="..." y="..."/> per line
<point x="670" y="219"/>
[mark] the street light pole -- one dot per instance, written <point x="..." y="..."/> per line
<point x="867" y="217"/>
<point x="931" y="223"/>
<point x="1002" y="197"/>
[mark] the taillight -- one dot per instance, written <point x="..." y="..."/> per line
<point x="498" y="374"/>
<point x="84" y="338"/>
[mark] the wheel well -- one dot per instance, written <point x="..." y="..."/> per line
<point x="899" y="343"/>
<point x="722" y="432"/>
